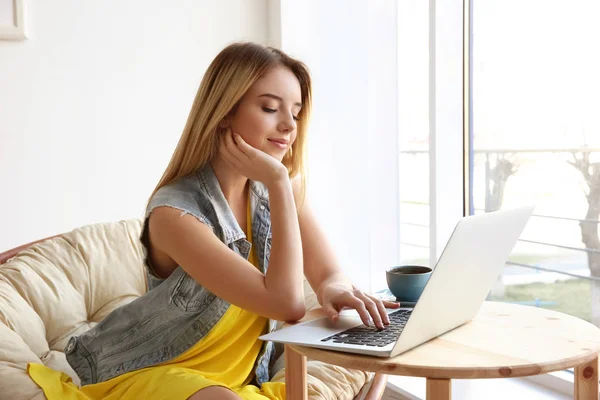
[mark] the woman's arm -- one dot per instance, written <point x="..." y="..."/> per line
<point x="278" y="294"/>
<point x="284" y="276"/>
<point x="333" y="289"/>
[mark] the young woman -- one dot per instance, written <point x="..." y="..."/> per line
<point x="229" y="236"/>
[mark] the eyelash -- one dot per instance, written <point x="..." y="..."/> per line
<point x="271" y="110"/>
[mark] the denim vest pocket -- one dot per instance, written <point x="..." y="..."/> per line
<point x="188" y="295"/>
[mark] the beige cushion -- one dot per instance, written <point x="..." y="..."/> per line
<point x="64" y="286"/>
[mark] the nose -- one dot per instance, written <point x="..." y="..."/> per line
<point x="287" y="123"/>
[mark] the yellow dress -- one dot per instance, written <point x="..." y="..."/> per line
<point x="224" y="357"/>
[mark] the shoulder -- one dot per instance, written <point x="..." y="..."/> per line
<point x="188" y="195"/>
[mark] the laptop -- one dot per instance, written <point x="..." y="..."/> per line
<point x="471" y="262"/>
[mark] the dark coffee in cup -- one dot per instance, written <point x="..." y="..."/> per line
<point x="410" y="269"/>
<point x="407" y="282"/>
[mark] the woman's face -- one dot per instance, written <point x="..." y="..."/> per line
<point x="267" y="114"/>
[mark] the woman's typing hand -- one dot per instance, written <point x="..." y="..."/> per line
<point x="337" y="296"/>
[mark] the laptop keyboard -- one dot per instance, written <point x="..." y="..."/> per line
<point x="370" y="335"/>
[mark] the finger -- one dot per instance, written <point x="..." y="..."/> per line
<point x="372" y="308"/>
<point x="381" y="309"/>
<point x="391" y="304"/>
<point x="242" y="145"/>
<point x="382" y="305"/>
<point x="229" y="158"/>
<point x="331" y="312"/>
<point x="243" y="150"/>
<point x="230" y="144"/>
<point x="226" y="150"/>
<point x="233" y="141"/>
<point x="357" y="304"/>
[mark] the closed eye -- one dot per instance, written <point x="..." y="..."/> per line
<point x="272" y="110"/>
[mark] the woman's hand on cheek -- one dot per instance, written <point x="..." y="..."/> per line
<point x="250" y="162"/>
<point x="369" y="308"/>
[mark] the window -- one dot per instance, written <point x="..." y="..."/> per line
<point x="430" y="122"/>
<point x="535" y="133"/>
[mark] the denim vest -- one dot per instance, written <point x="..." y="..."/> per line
<point x="176" y="312"/>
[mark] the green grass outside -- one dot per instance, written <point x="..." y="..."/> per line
<point x="531" y="259"/>
<point x="571" y="297"/>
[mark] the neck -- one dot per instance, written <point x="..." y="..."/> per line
<point x="233" y="184"/>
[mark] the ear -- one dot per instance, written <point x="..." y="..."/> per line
<point x="224" y="123"/>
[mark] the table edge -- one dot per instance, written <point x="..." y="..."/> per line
<point x="382" y="365"/>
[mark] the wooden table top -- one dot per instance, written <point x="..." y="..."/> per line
<point x="503" y="340"/>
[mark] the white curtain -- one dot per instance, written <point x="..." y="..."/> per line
<point x="360" y="57"/>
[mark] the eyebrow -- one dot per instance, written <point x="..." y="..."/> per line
<point x="277" y="98"/>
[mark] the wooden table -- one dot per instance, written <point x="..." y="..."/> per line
<point x="503" y="341"/>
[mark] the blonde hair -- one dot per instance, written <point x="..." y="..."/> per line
<point x="226" y="80"/>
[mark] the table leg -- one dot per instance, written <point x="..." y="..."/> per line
<point x="438" y="389"/>
<point x="295" y="375"/>
<point x="586" y="381"/>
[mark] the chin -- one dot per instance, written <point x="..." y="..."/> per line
<point x="275" y="154"/>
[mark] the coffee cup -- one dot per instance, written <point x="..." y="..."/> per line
<point x="407" y="282"/>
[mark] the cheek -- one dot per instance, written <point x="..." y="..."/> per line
<point x="252" y="126"/>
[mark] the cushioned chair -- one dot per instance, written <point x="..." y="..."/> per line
<point x="62" y="286"/>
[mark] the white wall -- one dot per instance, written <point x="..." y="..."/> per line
<point x="93" y="103"/>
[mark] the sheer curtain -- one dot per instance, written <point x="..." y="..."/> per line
<point x="371" y="71"/>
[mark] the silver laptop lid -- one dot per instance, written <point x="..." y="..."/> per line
<point x="471" y="262"/>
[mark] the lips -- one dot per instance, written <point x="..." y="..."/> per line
<point x="281" y="144"/>
<point x="280" y="141"/>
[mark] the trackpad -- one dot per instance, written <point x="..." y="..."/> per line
<point x="312" y="330"/>
<point x="344" y="322"/>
